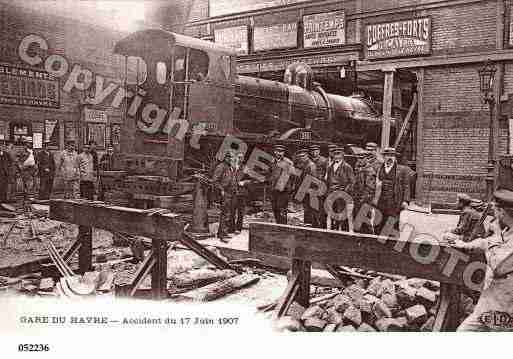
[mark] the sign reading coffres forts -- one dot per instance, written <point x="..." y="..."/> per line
<point x="411" y="37"/>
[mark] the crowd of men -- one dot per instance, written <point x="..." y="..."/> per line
<point x="376" y="181"/>
<point x="23" y="170"/>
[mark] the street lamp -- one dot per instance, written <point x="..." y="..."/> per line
<point x="486" y="78"/>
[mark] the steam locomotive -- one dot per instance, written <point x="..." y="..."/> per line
<point x="195" y="82"/>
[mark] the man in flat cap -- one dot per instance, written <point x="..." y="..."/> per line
<point x="340" y="177"/>
<point x="321" y="163"/>
<point x="225" y="181"/>
<point x="280" y="186"/>
<point x="366" y="170"/>
<point x="331" y="147"/>
<point x="307" y="168"/>
<point x="392" y="188"/>
<point x="468" y="219"/>
<point x="496" y="300"/>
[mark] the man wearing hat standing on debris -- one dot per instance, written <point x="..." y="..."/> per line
<point x="366" y="170"/>
<point x="392" y="189"/>
<point x="68" y="166"/>
<point x="280" y="184"/>
<point x="106" y="163"/>
<point x="5" y="171"/>
<point x="46" y="170"/>
<point x="307" y="168"/>
<point x="225" y="181"/>
<point x="496" y="300"/>
<point x="469" y="218"/>
<point x="340" y="177"/>
<point x="321" y="164"/>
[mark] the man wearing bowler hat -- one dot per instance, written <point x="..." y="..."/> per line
<point x="494" y="309"/>
<point x="340" y="178"/>
<point x="280" y="184"/>
<point x="225" y="181"/>
<point x="321" y="163"/>
<point x="392" y="188"/>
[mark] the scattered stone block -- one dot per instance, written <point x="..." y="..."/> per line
<point x="381" y="310"/>
<point x="296" y="310"/>
<point x="391" y="301"/>
<point x="426" y="297"/>
<point x="312" y="312"/>
<point x="433" y="285"/>
<point x="416" y="314"/>
<point x="374" y="286"/>
<point x="346" y="328"/>
<point x="387" y="286"/>
<point x="331" y="328"/>
<point x="46" y="284"/>
<point x="333" y="316"/>
<point x="364" y="327"/>
<point x="354" y="292"/>
<point x="406" y="295"/>
<point x="315" y="324"/>
<point x="352" y="315"/>
<point x="417" y="282"/>
<point x="390" y="325"/>
<point x="341" y="302"/>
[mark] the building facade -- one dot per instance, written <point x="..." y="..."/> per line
<point x="59" y="77"/>
<point x="422" y="55"/>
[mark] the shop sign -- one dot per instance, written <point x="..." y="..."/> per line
<point x="411" y="37"/>
<point x="234" y="37"/>
<point x="278" y="36"/>
<point x="281" y="64"/>
<point x="25" y="87"/>
<point x="92" y="115"/>
<point x="50" y="126"/>
<point x="325" y="29"/>
<point x="223" y="7"/>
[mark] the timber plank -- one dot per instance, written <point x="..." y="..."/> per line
<point x="165" y="226"/>
<point x="364" y="251"/>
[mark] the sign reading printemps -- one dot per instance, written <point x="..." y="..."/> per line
<point x="325" y="29"/>
<point x="234" y="37"/>
<point x="19" y="86"/>
<point x="403" y="38"/>
<point x="280" y="36"/>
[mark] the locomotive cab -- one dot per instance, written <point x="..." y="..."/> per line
<point x="187" y="79"/>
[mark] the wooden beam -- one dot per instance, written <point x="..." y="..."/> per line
<point x="406" y="121"/>
<point x="387" y="108"/>
<point x="166" y="226"/>
<point x="359" y="250"/>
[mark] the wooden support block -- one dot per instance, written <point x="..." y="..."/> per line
<point x="302" y="268"/>
<point x="85" y="252"/>
<point x="159" y="270"/>
<point x="448" y="309"/>
<point x="143" y="270"/>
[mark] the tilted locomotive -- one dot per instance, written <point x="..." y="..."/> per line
<point x="195" y="82"/>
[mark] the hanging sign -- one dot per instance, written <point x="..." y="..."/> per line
<point x="19" y="86"/>
<point x="234" y="37"/>
<point x="280" y="36"/>
<point x="325" y="29"/>
<point x="411" y="37"/>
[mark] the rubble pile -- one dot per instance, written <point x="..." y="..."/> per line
<point x="381" y="304"/>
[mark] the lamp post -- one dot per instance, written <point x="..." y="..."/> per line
<point x="486" y="79"/>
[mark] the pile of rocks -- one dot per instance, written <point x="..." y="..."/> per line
<point x="368" y="306"/>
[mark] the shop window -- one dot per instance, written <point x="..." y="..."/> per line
<point x="52" y="133"/>
<point x="20" y="132"/>
<point x="97" y="132"/>
<point x="70" y="133"/>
